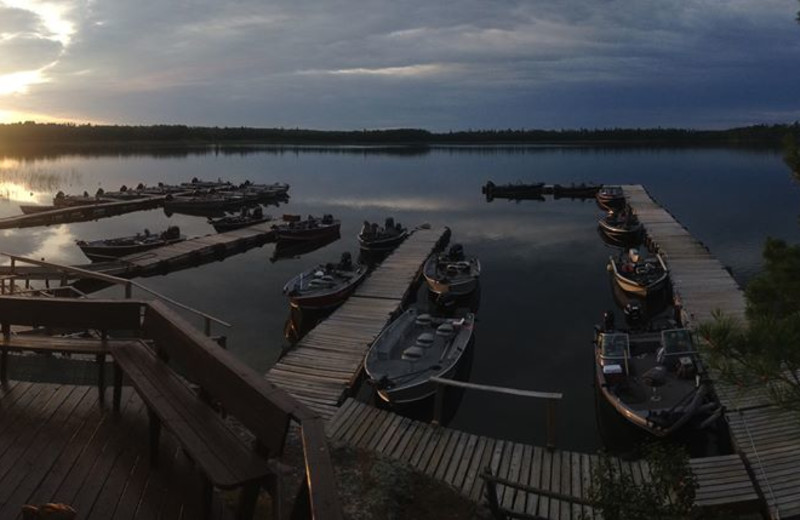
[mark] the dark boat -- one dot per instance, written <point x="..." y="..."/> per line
<point x="285" y="250"/>
<point x="611" y="197"/>
<point x="29" y="209"/>
<point x="414" y="348"/>
<point x="638" y="274"/>
<point x="62" y="200"/>
<point x="654" y="380"/>
<point x="312" y="228"/>
<point x="98" y="250"/>
<point x="325" y="286"/>
<point x="374" y="238"/>
<point x="516" y="191"/>
<point x="242" y="219"/>
<point x="576" y="191"/>
<point x="452" y="272"/>
<point x="622" y="224"/>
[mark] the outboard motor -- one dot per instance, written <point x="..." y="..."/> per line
<point x="608" y="321"/>
<point x="346" y="262"/>
<point x="366" y="228"/>
<point x="634" y="313"/>
<point x="456" y="252"/>
<point x="389" y="223"/>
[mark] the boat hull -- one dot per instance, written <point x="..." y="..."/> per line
<point x="326" y="299"/>
<point x="100" y="252"/>
<point x="634" y="287"/>
<point x="386" y="244"/>
<point x="318" y="233"/>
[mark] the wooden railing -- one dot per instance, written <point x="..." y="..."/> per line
<point x="77" y="272"/>
<point x="259" y="405"/>
<point x="551" y="398"/>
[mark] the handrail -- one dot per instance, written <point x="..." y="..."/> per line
<point x="552" y="399"/>
<point x="116" y="280"/>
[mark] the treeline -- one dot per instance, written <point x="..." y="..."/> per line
<point x="52" y="133"/>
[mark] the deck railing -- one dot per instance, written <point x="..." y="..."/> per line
<point x="77" y="272"/>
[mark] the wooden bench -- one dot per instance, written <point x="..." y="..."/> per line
<point x="68" y="314"/>
<point x="221" y="456"/>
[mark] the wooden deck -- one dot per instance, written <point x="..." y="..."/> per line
<point x="321" y="369"/>
<point x="58" y="444"/>
<point x="767" y="437"/>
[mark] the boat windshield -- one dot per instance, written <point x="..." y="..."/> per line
<point x="614" y="346"/>
<point x="677" y="342"/>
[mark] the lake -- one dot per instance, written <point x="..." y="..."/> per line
<point x="544" y="281"/>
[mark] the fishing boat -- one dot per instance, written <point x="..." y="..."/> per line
<point x="452" y="272"/>
<point x="61" y="200"/>
<point x="622" y="225"/>
<point x="414" y="348"/>
<point x="98" y="250"/>
<point x="312" y="228"/>
<point x="575" y="191"/>
<point x="610" y="197"/>
<point x="386" y="238"/>
<point x="654" y="380"/>
<point x="515" y="191"/>
<point x="29" y="209"/>
<point x="242" y="219"/>
<point x="325" y="286"/>
<point x="638" y="274"/>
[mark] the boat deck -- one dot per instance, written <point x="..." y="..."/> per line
<point x="59" y="444"/>
<point x="322" y="368"/>
<point x="767" y="437"/>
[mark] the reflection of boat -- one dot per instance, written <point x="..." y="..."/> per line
<point x="326" y="285"/>
<point x="374" y="238"/>
<point x="610" y="197"/>
<point x="242" y="219"/>
<point x="651" y="378"/>
<point x="414" y="348"/>
<point x="116" y="247"/>
<point x="638" y="274"/>
<point x="513" y="191"/>
<point x="621" y="224"/>
<point x="311" y="228"/>
<point x="452" y="272"/>
<point x="294" y="249"/>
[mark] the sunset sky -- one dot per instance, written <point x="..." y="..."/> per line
<point x="439" y="65"/>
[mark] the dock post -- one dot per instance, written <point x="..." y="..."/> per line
<point x="551" y="424"/>
<point x="438" y="405"/>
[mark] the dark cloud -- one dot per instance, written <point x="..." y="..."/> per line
<point x="440" y="65"/>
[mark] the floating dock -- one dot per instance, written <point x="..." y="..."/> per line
<point x="766" y="436"/>
<point x="325" y="365"/>
<point x="81" y="213"/>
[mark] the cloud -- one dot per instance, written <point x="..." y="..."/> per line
<point x="440" y="65"/>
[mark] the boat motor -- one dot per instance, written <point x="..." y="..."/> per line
<point x="456" y="252"/>
<point x="608" y="321"/>
<point x="634" y="314"/>
<point x="389" y="223"/>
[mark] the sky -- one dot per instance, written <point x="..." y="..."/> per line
<point x="440" y="65"/>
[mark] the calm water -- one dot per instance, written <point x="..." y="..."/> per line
<point x="544" y="282"/>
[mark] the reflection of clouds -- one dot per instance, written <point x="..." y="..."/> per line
<point x="54" y="244"/>
<point x="31" y="185"/>
<point x="404" y="204"/>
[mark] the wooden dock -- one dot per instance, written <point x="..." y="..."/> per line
<point x="458" y="458"/>
<point x="323" y="367"/>
<point x="59" y="444"/>
<point x="81" y="213"/>
<point x="766" y="436"/>
<point x="189" y="253"/>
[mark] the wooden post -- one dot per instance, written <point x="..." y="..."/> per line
<point x="438" y="405"/>
<point x="551" y="424"/>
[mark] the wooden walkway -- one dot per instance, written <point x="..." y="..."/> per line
<point x="58" y="444"/>
<point x="322" y="368"/>
<point x="768" y="437"/>
<point x="81" y="213"/>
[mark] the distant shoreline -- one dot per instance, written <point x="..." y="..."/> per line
<point x="49" y="137"/>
